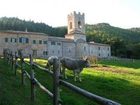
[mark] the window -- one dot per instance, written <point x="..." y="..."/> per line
<point x="58" y="52"/>
<point x="79" y="24"/>
<point x="27" y="40"/>
<point x="45" y="52"/>
<point x="84" y="48"/>
<point x="40" y="41"/>
<point x="13" y="40"/>
<point x="99" y="48"/>
<point x="45" y="42"/>
<point x="108" y="48"/>
<point x="20" y="52"/>
<point x="34" y="53"/>
<point x="59" y="44"/>
<point x="6" y="40"/>
<point x="52" y="43"/>
<point x="34" y="41"/>
<point x="69" y="50"/>
<point x="23" y="40"/>
<point x="99" y="54"/>
<point x="20" y="40"/>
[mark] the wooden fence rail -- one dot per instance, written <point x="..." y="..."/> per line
<point x="98" y="99"/>
<point x="57" y="81"/>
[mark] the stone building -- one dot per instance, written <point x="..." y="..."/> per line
<point x="28" y="42"/>
<point x="41" y="45"/>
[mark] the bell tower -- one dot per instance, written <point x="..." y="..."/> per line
<point x="76" y="26"/>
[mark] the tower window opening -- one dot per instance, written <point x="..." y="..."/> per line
<point x="70" y="25"/>
<point x="79" y="24"/>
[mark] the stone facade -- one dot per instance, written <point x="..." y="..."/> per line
<point x="61" y="47"/>
<point x="74" y="44"/>
<point x="28" y="42"/>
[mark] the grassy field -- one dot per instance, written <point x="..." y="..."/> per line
<point x="117" y="80"/>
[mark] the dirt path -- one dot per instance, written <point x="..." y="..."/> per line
<point x="114" y="70"/>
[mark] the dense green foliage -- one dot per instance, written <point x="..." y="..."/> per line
<point x="31" y="26"/>
<point x="118" y="80"/>
<point x="135" y="29"/>
<point x="105" y="33"/>
<point x="124" y="42"/>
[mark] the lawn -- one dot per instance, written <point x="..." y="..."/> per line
<point x="118" y="80"/>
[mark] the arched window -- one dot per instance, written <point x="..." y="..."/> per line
<point x="79" y="24"/>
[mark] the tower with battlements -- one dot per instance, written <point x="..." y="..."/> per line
<point x="76" y="26"/>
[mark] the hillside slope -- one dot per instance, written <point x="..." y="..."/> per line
<point x="105" y="33"/>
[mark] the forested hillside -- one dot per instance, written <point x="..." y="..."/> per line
<point x="124" y="42"/>
<point x="31" y="26"/>
<point x="104" y="32"/>
<point x="135" y="29"/>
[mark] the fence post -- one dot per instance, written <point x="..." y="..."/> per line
<point x="22" y="70"/>
<point x="16" y="63"/>
<point x="32" y="86"/>
<point x="12" y="62"/>
<point x="56" y="74"/>
<point x="10" y="58"/>
<point x="7" y="56"/>
<point x="32" y="80"/>
<point x="4" y="53"/>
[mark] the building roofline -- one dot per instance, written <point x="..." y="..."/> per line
<point x="52" y="38"/>
<point x="93" y="43"/>
<point x="22" y="32"/>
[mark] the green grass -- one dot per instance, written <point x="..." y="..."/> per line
<point x="117" y="80"/>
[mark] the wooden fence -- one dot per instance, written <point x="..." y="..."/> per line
<point x="57" y="81"/>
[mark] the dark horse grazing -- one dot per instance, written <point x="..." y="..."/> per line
<point x="76" y="65"/>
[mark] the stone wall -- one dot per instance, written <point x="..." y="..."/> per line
<point x="99" y="50"/>
<point x="55" y="48"/>
<point x="69" y="49"/>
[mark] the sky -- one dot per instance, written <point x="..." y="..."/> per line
<point x="119" y="13"/>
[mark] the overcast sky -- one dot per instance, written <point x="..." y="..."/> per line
<point x="119" y="13"/>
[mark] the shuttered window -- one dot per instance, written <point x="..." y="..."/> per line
<point x="23" y="40"/>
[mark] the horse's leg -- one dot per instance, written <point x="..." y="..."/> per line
<point x="79" y="77"/>
<point x="61" y="68"/>
<point x="63" y="72"/>
<point x="50" y="67"/>
<point x="74" y="75"/>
